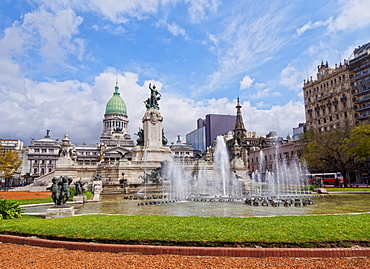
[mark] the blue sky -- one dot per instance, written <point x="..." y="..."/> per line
<point x="59" y="61"/>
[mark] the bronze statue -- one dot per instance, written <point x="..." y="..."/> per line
<point x="140" y="140"/>
<point x="155" y="96"/>
<point x="164" y="139"/>
<point x="65" y="193"/>
<point x="60" y="189"/>
<point x="79" y="187"/>
<point x="55" y="190"/>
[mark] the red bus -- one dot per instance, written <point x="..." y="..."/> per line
<point x="327" y="178"/>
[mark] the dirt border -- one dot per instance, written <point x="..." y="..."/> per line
<point x="190" y="251"/>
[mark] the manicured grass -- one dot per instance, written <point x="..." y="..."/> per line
<point x="347" y="189"/>
<point x="88" y="195"/>
<point x="207" y="231"/>
<point x="34" y="201"/>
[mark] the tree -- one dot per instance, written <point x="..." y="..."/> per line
<point x="9" y="163"/>
<point x="331" y="150"/>
<point x="359" y="141"/>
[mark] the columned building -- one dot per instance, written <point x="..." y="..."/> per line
<point x="328" y="99"/>
<point x="42" y="155"/>
<point x="115" y="123"/>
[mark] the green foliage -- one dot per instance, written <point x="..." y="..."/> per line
<point x="359" y="141"/>
<point x="338" y="150"/>
<point x="9" y="209"/>
<point x="72" y="192"/>
<point x="9" y="163"/>
<point x="309" y="187"/>
<point x="88" y="194"/>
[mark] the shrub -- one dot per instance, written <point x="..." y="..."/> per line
<point x="309" y="187"/>
<point x="9" y="209"/>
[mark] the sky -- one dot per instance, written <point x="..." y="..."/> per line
<point x="60" y="60"/>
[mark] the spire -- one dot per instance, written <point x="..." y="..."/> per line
<point x="239" y="124"/>
<point x="116" y="89"/>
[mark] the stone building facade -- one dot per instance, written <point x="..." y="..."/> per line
<point x="42" y="155"/>
<point x="328" y="99"/>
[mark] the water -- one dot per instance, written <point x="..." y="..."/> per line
<point x="116" y="204"/>
<point x="183" y="181"/>
<point x="288" y="179"/>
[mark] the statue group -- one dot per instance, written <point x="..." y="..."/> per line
<point x="60" y="189"/>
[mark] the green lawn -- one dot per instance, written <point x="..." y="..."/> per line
<point x="347" y="189"/>
<point x="305" y="231"/>
<point x="88" y="195"/>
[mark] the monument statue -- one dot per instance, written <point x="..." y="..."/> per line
<point x="55" y="190"/>
<point x="155" y="96"/>
<point x="65" y="193"/>
<point x="79" y="187"/>
<point x="154" y="176"/>
<point x="164" y="139"/>
<point x="140" y="140"/>
<point x="60" y="189"/>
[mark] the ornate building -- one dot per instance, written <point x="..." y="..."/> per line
<point x="42" y="155"/>
<point x="115" y="123"/>
<point x="328" y="99"/>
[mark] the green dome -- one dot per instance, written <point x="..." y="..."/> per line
<point x="116" y="105"/>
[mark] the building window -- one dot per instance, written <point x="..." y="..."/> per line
<point x="43" y="150"/>
<point x="51" y="150"/>
<point x="37" y="150"/>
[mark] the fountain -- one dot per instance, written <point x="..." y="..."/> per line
<point x="285" y="186"/>
<point x="202" y="181"/>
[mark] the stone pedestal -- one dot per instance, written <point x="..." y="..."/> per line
<point x="79" y="199"/>
<point x="97" y="189"/>
<point x="62" y="211"/>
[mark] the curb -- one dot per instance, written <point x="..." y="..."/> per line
<point x="190" y="251"/>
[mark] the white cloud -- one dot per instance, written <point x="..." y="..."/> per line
<point x="246" y="82"/>
<point x="112" y="29"/>
<point x="354" y="15"/>
<point x="278" y="118"/>
<point x="246" y="41"/>
<point x="77" y="108"/>
<point x="291" y="77"/>
<point x="310" y="25"/>
<point x="121" y="11"/>
<point x="262" y="91"/>
<point x="198" y="9"/>
<point x="176" y="30"/>
<point x="52" y="36"/>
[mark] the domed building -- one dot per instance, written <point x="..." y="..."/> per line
<point x="115" y="123"/>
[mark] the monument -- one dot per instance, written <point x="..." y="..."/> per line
<point x="151" y="149"/>
<point x="60" y="195"/>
